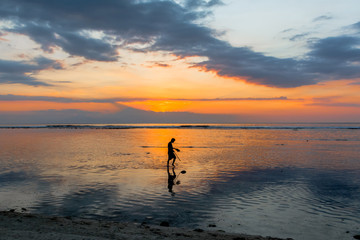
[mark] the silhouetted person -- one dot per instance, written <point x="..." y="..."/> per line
<point x="171" y="179"/>
<point x="171" y="152"/>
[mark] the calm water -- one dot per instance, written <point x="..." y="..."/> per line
<point x="302" y="183"/>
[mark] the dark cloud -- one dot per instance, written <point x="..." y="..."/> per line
<point x="22" y="71"/>
<point x="335" y="58"/>
<point x="257" y="68"/>
<point x="356" y="26"/>
<point x="287" y="30"/>
<point x="73" y="43"/>
<point x="11" y="97"/>
<point x="162" y="65"/>
<point x="344" y="48"/>
<point x="357" y="105"/>
<point x="127" y="115"/>
<point x="168" y="26"/>
<point x="322" y="18"/>
<point x="202" y="3"/>
<point x="234" y="99"/>
<point x="300" y="36"/>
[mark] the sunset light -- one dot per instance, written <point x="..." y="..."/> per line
<point x="303" y="64"/>
<point x="180" y="119"/>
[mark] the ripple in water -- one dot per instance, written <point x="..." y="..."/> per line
<point x="245" y="181"/>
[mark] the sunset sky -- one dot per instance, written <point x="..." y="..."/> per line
<point x="258" y="60"/>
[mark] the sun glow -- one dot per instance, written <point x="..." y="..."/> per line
<point x="161" y="106"/>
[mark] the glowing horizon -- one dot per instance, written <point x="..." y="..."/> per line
<point x="194" y="60"/>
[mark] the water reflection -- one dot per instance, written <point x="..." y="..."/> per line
<point x="273" y="179"/>
<point x="171" y="179"/>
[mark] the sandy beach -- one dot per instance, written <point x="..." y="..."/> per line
<point x="24" y="226"/>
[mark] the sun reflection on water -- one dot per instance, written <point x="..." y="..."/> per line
<point x="121" y="174"/>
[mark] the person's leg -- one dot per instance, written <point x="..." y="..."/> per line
<point x="174" y="160"/>
<point x="169" y="159"/>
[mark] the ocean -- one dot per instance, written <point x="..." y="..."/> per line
<point x="282" y="180"/>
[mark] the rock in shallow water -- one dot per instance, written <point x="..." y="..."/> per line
<point x="165" y="224"/>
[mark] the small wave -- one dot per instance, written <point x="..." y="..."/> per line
<point x="337" y="139"/>
<point x="181" y="147"/>
<point x="153" y="146"/>
<point x="187" y="126"/>
<point x="194" y="126"/>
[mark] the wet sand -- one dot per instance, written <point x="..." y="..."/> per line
<point x="25" y="226"/>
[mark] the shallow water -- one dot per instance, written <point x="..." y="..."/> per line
<point x="299" y="183"/>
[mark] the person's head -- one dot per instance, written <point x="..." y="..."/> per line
<point x="173" y="140"/>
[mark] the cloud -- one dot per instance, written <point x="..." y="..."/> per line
<point x="165" y="25"/>
<point x="354" y="83"/>
<point x="322" y="18"/>
<point x="231" y="99"/>
<point x="356" y="26"/>
<point x="127" y="115"/>
<point x="73" y="43"/>
<point x="257" y="68"/>
<point x="332" y="101"/>
<point x="300" y="36"/>
<point x="160" y="64"/>
<point x="343" y="48"/>
<point x="333" y="104"/>
<point x="202" y="3"/>
<point x="23" y="71"/>
<point x="11" y="97"/>
<point x="335" y="58"/>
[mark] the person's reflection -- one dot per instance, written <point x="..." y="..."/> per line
<point x="171" y="179"/>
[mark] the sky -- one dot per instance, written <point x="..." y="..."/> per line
<point x="244" y="60"/>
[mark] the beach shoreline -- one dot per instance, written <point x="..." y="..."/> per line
<point x="26" y="226"/>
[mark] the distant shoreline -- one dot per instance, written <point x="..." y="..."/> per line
<point x="25" y="226"/>
<point x="273" y="126"/>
